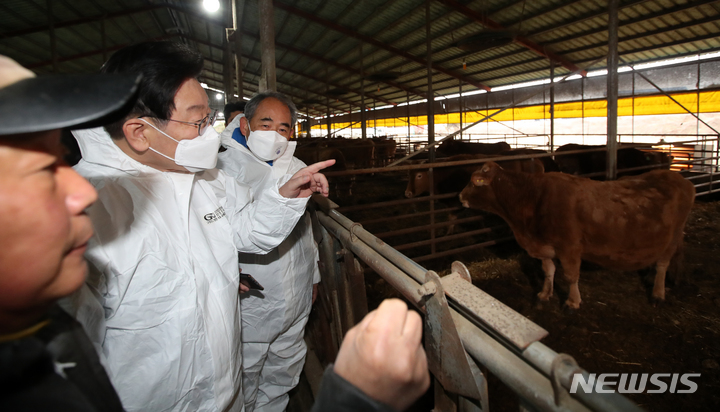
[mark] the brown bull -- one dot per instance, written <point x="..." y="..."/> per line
<point x="627" y="224"/>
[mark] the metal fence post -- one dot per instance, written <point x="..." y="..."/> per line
<point x="329" y="270"/>
<point x="354" y="295"/>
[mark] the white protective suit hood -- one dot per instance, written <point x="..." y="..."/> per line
<point x="96" y="146"/>
<point x="161" y="300"/>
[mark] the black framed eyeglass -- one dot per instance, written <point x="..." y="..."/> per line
<point x="203" y="124"/>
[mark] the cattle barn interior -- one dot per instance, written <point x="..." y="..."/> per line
<point x="401" y="92"/>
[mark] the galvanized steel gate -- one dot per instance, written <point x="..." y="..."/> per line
<point x="465" y="328"/>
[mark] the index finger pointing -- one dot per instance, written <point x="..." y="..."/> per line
<point x="315" y="167"/>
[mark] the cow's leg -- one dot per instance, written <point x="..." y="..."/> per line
<point x="571" y="269"/>
<point x="659" y="286"/>
<point x="662" y="265"/>
<point x="549" y="269"/>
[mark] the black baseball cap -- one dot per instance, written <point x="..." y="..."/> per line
<point x="35" y="104"/>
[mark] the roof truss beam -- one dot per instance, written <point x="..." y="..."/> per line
<point x="519" y="39"/>
<point x="151" y="8"/>
<point x="377" y="43"/>
<point x="84" y="20"/>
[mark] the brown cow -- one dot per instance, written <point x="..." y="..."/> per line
<point x="626" y="224"/>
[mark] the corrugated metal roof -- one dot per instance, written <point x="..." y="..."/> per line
<point x="346" y="44"/>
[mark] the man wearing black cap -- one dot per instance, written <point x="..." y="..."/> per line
<point x="46" y="360"/>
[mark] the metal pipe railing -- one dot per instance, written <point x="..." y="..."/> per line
<point x="431" y="226"/>
<point x="447" y="238"/>
<point x="408" y="216"/>
<point x="697" y="165"/>
<point x="522" y="378"/>
<point x="527" y="372"/>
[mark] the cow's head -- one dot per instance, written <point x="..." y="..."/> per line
<point x="485" y="175"/>
<point x="477" y="194"/>
<point x="417" y="184"/>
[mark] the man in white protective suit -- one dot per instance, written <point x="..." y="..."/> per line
<point x="273" y="322"/>
<point x="161" y="302"/>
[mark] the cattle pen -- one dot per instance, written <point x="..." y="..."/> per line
<point x="467" y="331"/>
<point x="420" y="224"/>
<point x="418" y="228"/>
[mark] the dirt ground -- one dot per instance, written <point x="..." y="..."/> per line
<point x="617" y="329"/>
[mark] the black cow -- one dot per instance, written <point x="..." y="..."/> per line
<point x="595" y="161"/>
<point x="452" y="147"/>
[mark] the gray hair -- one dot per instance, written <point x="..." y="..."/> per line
<point x="253" y="104"/>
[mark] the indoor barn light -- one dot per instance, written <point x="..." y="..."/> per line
<point x="219" y="96"/>
<point x="211" y="5"/>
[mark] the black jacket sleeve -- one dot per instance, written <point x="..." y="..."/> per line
<point x="338" y="395"/>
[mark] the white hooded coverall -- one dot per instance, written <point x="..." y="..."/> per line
<point x="162" y="296"/>
<point x="274" y="319"/>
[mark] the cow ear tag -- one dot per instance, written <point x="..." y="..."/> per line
<point x="479" y="181"/>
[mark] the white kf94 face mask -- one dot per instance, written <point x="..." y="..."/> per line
<point x="267" y="145"/>
<point x="196" y="154"/>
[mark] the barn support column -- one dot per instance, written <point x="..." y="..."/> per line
<point x="227" y="68"/>
<point x="309" y="122"/>
<point x="408" y="119"/>
<point x="374" y="118"/>
<point x="228" y="55"/>
<point x="430" y="122"/>
<point x="363" y="120"/>
<point x="237" y="12"/>
<point x="430" y="93"/>
<point x="612" y="90"/>
<point x="329" y="126"/>
<point x="633" y="105"/>
<point x="552" y="105"/>
<point x="462" y="109"/>
<point x="267" y="44"/>
<point x="327" y="100"/>
<point x="582" y="100"/>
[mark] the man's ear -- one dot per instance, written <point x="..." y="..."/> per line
<point x="134" y="130"/>
<point x="244" y="126"/>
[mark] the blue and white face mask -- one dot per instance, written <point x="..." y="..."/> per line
<point x="266" y="145"/>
